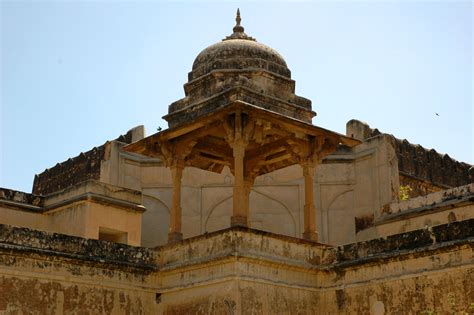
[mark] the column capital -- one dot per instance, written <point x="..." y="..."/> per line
<point x="174" y="154"/>
<point x="177" y="164"/>
<point x="310" y="162"/>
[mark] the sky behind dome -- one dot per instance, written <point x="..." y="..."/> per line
<point x="76" y="74"/>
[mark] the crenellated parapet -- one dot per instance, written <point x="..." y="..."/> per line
<point x="85" y="166"/>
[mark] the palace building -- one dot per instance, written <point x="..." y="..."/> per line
<point x="242" y="206"/>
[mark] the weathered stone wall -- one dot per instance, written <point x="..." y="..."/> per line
<point x="43" y="273"/>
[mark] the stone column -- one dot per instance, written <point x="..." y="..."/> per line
<point x="239" y="213"/>
<point x="175" y="234"/>
<point x="310" y="232"/>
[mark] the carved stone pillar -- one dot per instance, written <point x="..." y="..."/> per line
<point x="175" y="234"/>
<point x="310" y="232"/>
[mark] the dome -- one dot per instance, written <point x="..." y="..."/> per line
<point x="238" y="52"/>
<point x="239" y="69"/>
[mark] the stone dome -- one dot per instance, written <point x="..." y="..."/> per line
<point x="238" y="52"/>
<point x="239" y="69"/>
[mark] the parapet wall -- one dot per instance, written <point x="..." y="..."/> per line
<point x="21" y="198"/>
<point x="66" y="246"/>
<point x="85" y="166"/>
<point x="398" y="244"/>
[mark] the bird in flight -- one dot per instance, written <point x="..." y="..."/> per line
<point x="437" y="114"/>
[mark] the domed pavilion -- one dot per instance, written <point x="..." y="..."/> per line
<point x="240" y="111"/>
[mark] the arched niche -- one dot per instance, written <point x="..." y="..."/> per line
<point x="266" y="213"/>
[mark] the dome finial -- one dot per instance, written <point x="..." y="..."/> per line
<point x="238" y="29"/>
<point x="237" y="18"/>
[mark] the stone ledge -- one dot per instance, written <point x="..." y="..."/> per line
<point x="409" y="242"/>
<point x="130" y="206"/>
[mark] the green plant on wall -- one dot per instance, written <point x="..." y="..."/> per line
<point x="405" y="192"/>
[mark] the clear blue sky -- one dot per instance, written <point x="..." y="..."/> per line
<point x="75" y="74"/>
